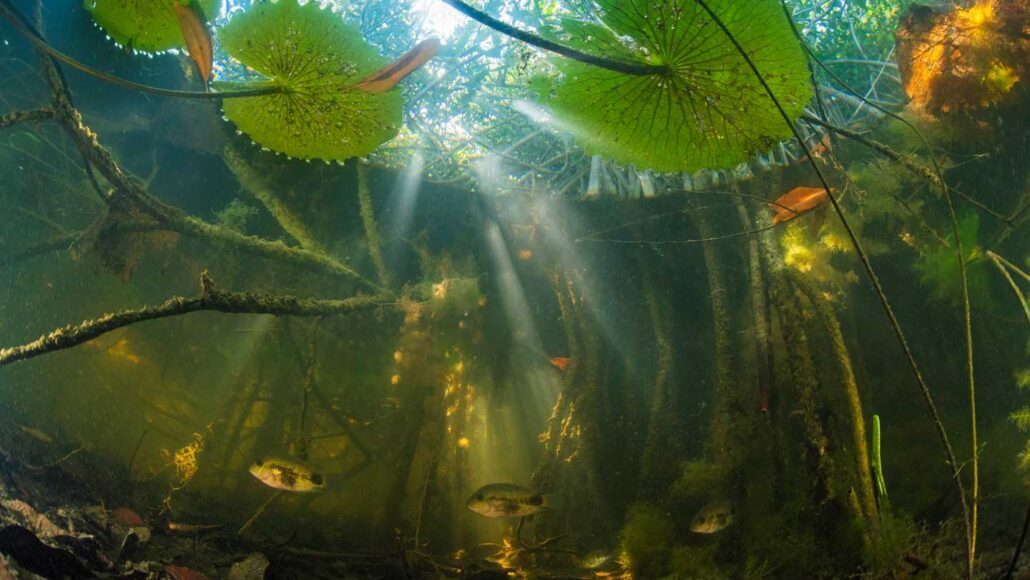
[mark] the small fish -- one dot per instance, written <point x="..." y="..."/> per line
<point x="180" y="528"/>
<point x="712" y="518"/>
<point x="385" y="78"/>
<point x="798" y="201"/>
<point x="561" y="363"/>
<point x="287" y="474"/>
<point x="818" y="150"/>
<point x="596" y="559"/>
<point x="36" y="433"/>
<point x="196" y="35"/>
<point x="506" y="500"/>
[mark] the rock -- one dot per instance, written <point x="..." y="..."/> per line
<point x="253" y="567"/>
<point x="33" y="555"/>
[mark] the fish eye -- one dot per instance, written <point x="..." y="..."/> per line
<point x="317" y="479"/>
<point x="259" y="463"/>
<point x="479" y="497"/>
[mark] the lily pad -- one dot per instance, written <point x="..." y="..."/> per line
<point x="147" y="25"/>
<point x="706" y="111"/>
<point x="316" y="58"/>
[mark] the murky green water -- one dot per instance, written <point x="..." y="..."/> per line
<point x="495" y="307"/>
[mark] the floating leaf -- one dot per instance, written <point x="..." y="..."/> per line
<point x="317" y="59"/>
<point x="147" y="25"/>
<point x="707" y="111"/>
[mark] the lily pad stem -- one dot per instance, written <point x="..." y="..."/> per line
<point x="629" y="68"/>
<point x="22" y="26"/>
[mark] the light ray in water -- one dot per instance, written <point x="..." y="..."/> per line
<point x="405" y="194"/>
<point x="559" y="235"/>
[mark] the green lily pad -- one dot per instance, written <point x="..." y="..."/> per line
<point x="707" y="111"/>
<point x="147" y="25"/>
<point x="316" y="58"/>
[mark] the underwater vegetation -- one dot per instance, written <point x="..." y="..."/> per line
<point x="580" y="289"/>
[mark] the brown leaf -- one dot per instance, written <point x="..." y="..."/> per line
<point x="385" y="78"/>
<point x="197" y="37"/>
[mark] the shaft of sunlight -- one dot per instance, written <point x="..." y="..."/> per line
<point x="405" y="194"/>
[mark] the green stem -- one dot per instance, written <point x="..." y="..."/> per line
<point x="639" y="69"/>
<point x="8" y="11"/>
<point x="1003" y="265"/>
<point x="881" y="484"/>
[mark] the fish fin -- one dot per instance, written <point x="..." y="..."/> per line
<point x="815" y="223"/>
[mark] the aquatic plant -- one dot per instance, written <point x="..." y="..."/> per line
<point x="236" y="215"/>
<point x="965" y="58"/>
<point x="644" y="542"/>
<point x="940" y="271"/>
<point x="145" y="25"/>
<point x="315" y="59"/>
<point x="705" y="109"/>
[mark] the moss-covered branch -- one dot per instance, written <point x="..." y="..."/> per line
<point x="13" y="118"/>
<point x="211" y="298"/>
<point x="828" y="320"/>
<point x="368" y="218"/>
<point x="129" y="193"/>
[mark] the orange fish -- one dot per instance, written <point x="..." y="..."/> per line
<point x="818" y="150"/>
<point x="561" y="363"/>
<point x="385" y="78"/>
<point x="197" y="37"/>
<point x="798" y="201"/>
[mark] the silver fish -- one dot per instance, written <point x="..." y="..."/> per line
<point x="506" y="500"/>
<point x="596" y="559"/>
<point x="712" y="518"/>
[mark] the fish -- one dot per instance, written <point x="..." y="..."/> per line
<point x="506" y="500"/>
<point x="196" y="35"/>
<point x="385" y="78"/>
<point x="596" y="559"/>
<point x="287" y="474"/>
<point x="712" y="518"/>
<point x="35" y="433"/>
<point x="180" y="528"/>
<point x="561" y="363"/>
<point x="798" y="201"/>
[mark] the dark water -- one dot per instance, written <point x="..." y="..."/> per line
<point x="741" y="373"/>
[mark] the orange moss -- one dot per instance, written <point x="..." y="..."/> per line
<point x="965" y="59"/>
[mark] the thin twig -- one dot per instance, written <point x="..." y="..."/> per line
<point x="260" y="511"/>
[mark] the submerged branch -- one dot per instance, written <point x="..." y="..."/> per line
<point x="210" y="298"/>
<point x="40" y="114"/>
